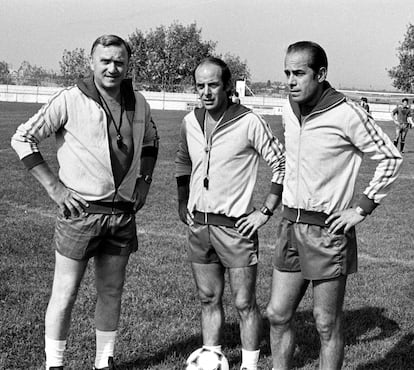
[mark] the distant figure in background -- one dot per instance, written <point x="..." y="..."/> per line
<point x="326" y="136"/>
<point x="235" y="98"/>
<point x="364" y="103"/>
<point x="402" y="115"/>
<point x="216" y="168"/>
<point x="107" y="146"/>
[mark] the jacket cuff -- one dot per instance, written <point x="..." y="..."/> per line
<point x="32" y="160"/>
<point x="276" y="189"/>
<point x="368" y="205"/>
<point x="183" y="180"/>
<point x="149" y="151"/>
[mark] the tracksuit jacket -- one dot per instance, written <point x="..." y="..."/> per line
<point x="324" y="152"/>
<point x="75" y="115"/>
<point x="223" y="169"/>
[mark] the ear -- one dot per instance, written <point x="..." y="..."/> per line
<point x="91" y="63"/>
<point x="322" y="74"/>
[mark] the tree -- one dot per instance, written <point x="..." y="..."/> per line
<point x="4" y="72"/>
<point x="166" y="56"/>
<point x="74" y="65"/>
<point x="403" y="74"/>
<point x="28" y="74"/>
<point x="238" y="68"/>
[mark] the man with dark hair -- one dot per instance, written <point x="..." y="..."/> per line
<point x="326" y="136"/>
<point x="107" y="146"/>
<point x="401" y="116"/>
<point x="216" y="169"/>
<point x="364" y="103"/>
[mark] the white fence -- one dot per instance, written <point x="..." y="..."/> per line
<point x="171" y="101"/>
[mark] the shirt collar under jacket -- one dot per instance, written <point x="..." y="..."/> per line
<point x="233" y="111"/>
<point x="329" y="98"/>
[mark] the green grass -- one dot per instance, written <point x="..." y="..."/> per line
<point x="160" y="319"/>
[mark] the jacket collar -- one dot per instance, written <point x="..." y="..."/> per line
<point x="233" y="111"/>
<point x="87" y="86"/>
<point x="329" y="98"/>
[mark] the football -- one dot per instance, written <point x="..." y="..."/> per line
<point x="205" y="359"/>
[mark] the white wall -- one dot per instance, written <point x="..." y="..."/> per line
<point x="171" y="101"/>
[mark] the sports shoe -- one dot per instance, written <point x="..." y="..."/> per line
<point x="111" y="365"/>
<point x="56" y="368"/>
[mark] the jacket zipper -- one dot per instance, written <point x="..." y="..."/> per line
<point x="209" y="144"/>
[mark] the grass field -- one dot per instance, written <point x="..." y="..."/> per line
<point x="160" y="319"/>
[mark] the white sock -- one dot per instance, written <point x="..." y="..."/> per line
<point x="105" y="344"/>
<point x="213" y="348"/>
<point x="250" y="359"/>
<point x="54" y="350"/>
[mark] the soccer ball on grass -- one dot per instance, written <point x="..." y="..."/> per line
<point x="206" y="359"/>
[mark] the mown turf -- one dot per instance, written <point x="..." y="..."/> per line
<point x="160" y="320"/>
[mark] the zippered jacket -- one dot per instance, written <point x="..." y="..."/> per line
<point x="223" y="169"/>
<point x="78" y="120"/>
<point x="324" y="153"/>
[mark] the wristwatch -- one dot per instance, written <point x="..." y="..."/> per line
<point x="147" y="179"/>
<point x="361" y="212"/>
<point x="266" y="211"/>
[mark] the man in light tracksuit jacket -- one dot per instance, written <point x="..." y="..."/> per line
<point x="107" y="146"/>
<point x="216" y="168"/>
<point x="326" y="137"/>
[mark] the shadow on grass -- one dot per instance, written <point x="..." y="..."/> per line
<point x="400" y="357"/>
<point x="362" y="325"/>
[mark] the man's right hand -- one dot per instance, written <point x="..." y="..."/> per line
<point x="69" y="202"/>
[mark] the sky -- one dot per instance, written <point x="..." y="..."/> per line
<point x="360" y="36"/>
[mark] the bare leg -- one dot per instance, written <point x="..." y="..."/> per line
<point x="328" y="298"/>
<point x="110" y="277"/>
<point x="209" y="280"/>
<point x="67" y="278"/>
<point x="243" y="286"/>
<point x="288" y="289"/>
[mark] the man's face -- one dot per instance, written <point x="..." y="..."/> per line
<point x="210" y="88"/>
<point x="405" y="103"/>
<point x="302" y="81"/>
<point x="109" y="65"/>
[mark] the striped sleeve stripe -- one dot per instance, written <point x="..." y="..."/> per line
<point x="277" y="148"/>
<point x="392" y="163"/>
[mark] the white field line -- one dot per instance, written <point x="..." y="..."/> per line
<point x="183" y="236"/>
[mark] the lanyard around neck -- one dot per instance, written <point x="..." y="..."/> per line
<point x="119" y="138"/>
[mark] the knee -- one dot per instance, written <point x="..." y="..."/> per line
<point x="245" y="305"/>
<point x="62" y="299"/>
<point x="109" y="290"/>
<point x="209" y="297"/>
<point x="277" y="315"/>
<point x="326" y="324"/>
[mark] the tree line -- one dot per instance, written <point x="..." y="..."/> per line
<point x="164" y="58"/>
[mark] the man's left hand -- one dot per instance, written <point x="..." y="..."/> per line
<point x="140" y="193"/>
<point x="345" y="219"/>
<point x="249" y="224"/>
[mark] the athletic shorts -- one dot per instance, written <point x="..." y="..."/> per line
<point x="221" y="244"/>
<point x="85" y="236"/>
<point x="311" y="249"/>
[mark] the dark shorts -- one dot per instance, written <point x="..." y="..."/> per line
<point x="221" y="244"/>
<point x="311" y="249"/>
<point x="91" y="234"/>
